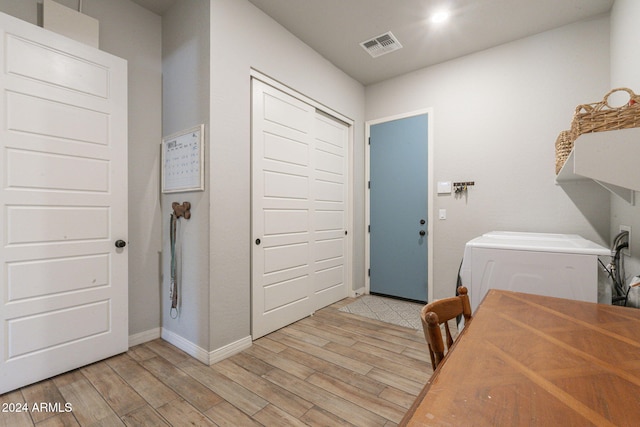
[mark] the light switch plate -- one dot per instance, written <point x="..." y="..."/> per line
<point x="444" y="187"/>
<point x="442" y="214"/>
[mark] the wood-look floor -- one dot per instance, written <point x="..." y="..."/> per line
<point x="331" y="369"/>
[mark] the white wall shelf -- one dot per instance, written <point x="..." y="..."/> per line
<point x="609" y="158"/>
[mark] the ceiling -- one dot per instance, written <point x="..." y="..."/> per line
<point x="157" y="6"/>
<point x="335" y="28"/>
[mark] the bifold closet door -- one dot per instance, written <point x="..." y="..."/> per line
<point x="299" y="198"/>
<point x="63" y="151"/>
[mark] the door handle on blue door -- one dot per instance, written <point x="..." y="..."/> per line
<point x="422" y="232"/>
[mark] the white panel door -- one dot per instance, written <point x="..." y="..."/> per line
<point x="298" y="209"/>
<point x="330" y="196"/>
<point x="63" y="154"/>
<point x="282" y="265"/>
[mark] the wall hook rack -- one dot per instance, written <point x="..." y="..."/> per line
<point x="183" y="209"/>
<point x="461" y="187"/>
<point x="464" y="184"/>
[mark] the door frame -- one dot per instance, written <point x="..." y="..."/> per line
<point x="430" y="194"/>
<point x="349" y="203"/>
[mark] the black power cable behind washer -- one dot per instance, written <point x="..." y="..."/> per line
<point x="615" y="270"/>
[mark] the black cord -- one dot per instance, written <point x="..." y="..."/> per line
<point x="458" y="284"/>
<point x="617" y="272"/>
<point x="459" y="281"/>
<point x="626" y="297"/>
<point x="604" y="267"/>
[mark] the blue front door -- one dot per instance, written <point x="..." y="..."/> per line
<point x="398" y="208"/>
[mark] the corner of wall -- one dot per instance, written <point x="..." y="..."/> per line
<point x="229" y="350"/>
<point x="186" y="82"/>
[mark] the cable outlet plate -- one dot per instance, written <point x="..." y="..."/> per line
<point x="626" y="228"/>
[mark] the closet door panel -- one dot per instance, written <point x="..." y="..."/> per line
<point x="299" y="194"/>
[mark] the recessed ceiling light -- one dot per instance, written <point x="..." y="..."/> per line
<point x="440" y="16"/>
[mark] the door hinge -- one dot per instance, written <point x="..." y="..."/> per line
<point x="369" y="228"/>
<point x="369" y="272"/>
<point x="369" y="185"/>
<point x="369" y="140"/>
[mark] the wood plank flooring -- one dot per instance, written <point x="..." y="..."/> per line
<point x="330" y="369"/>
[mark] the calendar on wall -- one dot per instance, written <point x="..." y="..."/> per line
<point x="183" y="161"/>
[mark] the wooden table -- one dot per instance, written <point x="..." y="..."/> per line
<point x="537" y="361"/>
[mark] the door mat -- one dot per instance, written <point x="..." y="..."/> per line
<point x="390" y="310"/>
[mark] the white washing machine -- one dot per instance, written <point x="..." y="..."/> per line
<point x="557" y="265"/>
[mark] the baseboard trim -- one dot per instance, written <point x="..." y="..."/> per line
<point x="185" y="345"/>
<point x="204" y="356"/>
<point x="144" y="336"/>
<point x="229" y="350"/>
<point x="357" y="292"/>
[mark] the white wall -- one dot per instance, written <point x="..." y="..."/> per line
<point x="625" y="62"/>
<point x="185" y="66"/>
<point x="243" y="37"/>
<point x="497" y="114"/>
<point x="133" y="33"/>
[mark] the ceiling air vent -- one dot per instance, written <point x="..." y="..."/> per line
<point x="384" y="43"/>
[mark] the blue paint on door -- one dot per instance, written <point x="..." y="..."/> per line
<point x="398" y="204"/>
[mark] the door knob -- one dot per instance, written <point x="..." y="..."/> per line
<point x="422" y="232"/>
<point x="422" y="222"/>
<point x="120" y="243"/>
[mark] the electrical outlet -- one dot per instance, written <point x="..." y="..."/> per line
<point x="627" y="228"/>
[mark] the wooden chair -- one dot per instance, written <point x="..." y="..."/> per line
<point x="441" y="311"/>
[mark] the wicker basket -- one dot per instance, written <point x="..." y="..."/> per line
<point x="564" y="145"/>
<point x="600" y="116"/>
